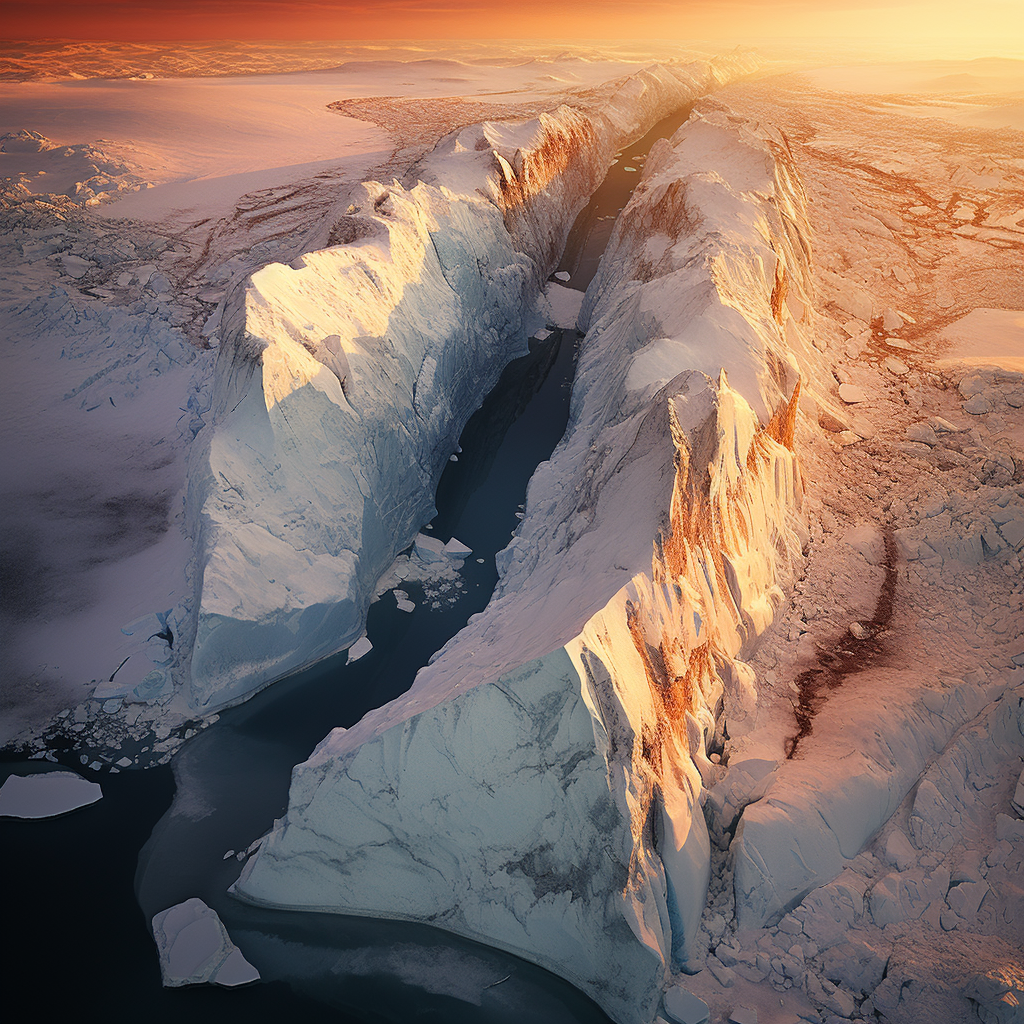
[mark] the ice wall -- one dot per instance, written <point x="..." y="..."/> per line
<point x="344" y="380"/>
<point x="539" y="787"/>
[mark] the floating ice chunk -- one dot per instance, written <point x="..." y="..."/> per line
<point x="561" y="305"/>
<point x="194" y="948"/>
<point x="455" y="549"/>
<point x="543" y="334"/>
<point x="124" y="762"/>
<point x="685" y="1008"/>
<point x="236" y="970"/>
<point x="561" y="275"/>
<point x="428" y="549"/>
<point x="453" y="458"/>
<point x="359" y="649"/>
<point x="405" y="605"/>
<point x="46" y="795"/>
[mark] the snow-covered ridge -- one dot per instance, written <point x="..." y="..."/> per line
<point x="539" y="787"/>
<point x="344" y="380"/>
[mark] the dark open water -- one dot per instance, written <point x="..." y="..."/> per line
<point x="80" y="890"/>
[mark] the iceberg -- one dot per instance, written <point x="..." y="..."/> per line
<point x="540" y="786"/>
<point x="195" y="948"/>
<point x="46" y="794"/>
<point x="344" y="379"/>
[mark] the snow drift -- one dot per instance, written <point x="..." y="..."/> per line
<point x="344" y="380"/>
<point x="539" y="787"/>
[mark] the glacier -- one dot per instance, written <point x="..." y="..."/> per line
<point x="539" y="788"/>
<point x="343" y="380"/>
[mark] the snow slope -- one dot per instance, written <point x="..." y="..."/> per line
<point x="539" y="787"/>
<point x="344" y="379"/>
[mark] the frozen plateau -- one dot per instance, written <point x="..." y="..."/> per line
<point x="739" y="734"/>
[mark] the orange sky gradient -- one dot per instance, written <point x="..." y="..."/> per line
<point x="950" y="27"/>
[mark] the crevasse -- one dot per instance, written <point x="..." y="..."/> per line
<point x="539" y="787"/>
<point x="343" y="380"/>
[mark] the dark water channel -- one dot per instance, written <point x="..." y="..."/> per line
<point x="80" y="890"/>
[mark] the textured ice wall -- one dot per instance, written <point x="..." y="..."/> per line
<point x="343" y="381"/>
<point x="539" y="787"/>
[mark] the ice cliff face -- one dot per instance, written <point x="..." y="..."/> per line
<point x="344" y="381"/>
<point x="539" y="787"/>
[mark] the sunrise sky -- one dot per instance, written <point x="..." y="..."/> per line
<point x="952" y="27"/>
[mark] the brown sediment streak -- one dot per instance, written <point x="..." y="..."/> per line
<point x="849" y="655"/>
<point x="778" y="297"/>
<point x="708" y="523"/>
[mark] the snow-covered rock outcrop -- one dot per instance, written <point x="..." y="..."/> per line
<point x="344" y="380"/>
<point x="540" y="786"/>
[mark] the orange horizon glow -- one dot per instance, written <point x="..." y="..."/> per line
<point x="990" y="26"/>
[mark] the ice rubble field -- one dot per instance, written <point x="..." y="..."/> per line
<point x="643" y="689"/>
